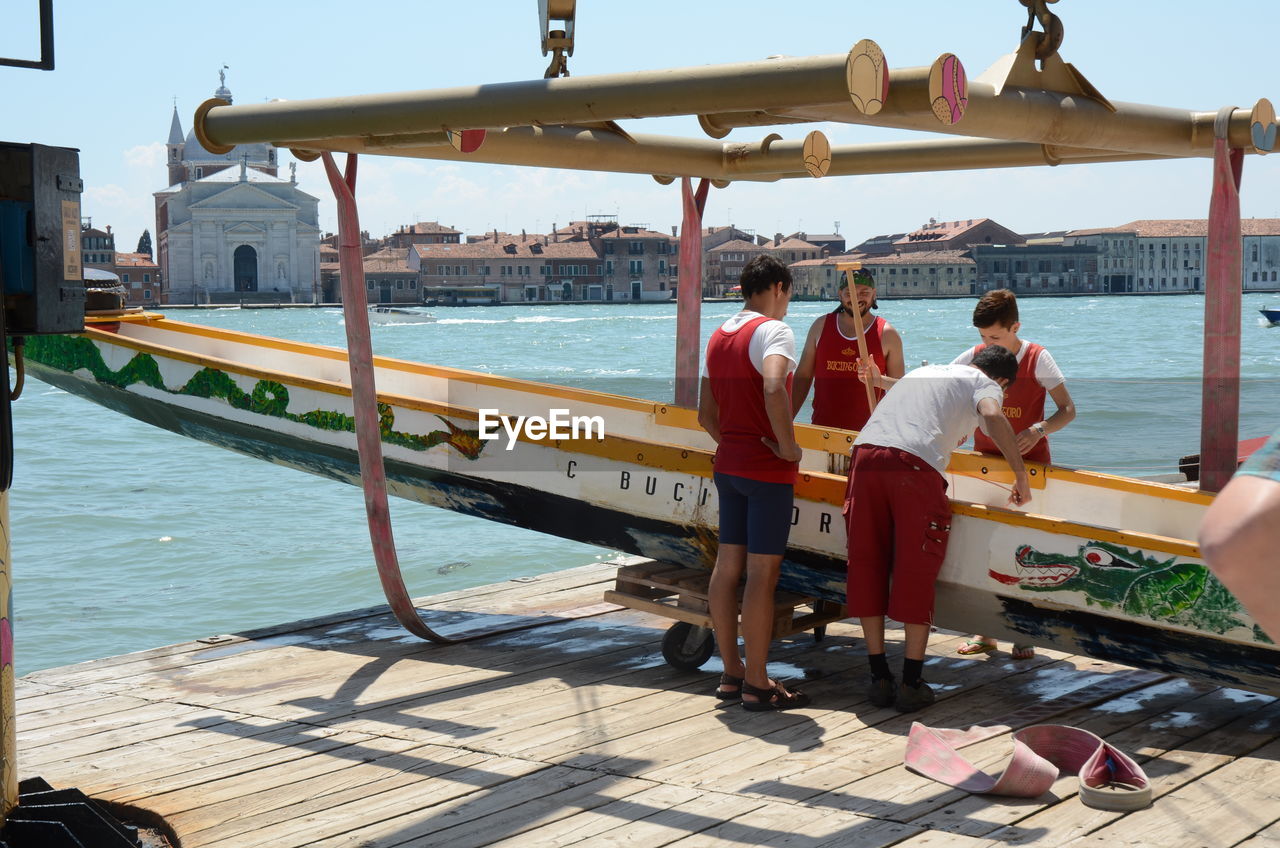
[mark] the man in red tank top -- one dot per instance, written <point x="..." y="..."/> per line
<point x="996" y="317"/>
<point x="831" y="351"/>
<point x="745" y="404"/>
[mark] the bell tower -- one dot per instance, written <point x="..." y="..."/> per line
<point x="174" y="149"/>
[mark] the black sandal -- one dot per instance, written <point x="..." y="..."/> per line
<point x="727" y="679"/>
<point x="773" y="698"/>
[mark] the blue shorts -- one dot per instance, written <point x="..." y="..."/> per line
<point x="755" y="513"/>
<point x="1265" y="461"/>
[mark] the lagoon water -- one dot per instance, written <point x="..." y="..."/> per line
<point x="127" y="537"/>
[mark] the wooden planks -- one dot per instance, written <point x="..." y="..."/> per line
<point x="343" y="731"/>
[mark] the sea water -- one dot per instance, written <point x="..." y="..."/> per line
<point x="126" y="537"/>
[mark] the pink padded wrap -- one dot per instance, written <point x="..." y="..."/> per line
<point x="1109" y="779"/>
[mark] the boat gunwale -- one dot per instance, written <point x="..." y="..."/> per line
<point x="815" y="486"/>
<point x="808" y="435"/>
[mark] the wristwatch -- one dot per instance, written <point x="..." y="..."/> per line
<point x="1039" y="428"/>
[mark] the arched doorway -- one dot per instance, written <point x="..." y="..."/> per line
<point x="246" y="269"/>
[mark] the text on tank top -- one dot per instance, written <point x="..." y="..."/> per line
<point x="839" y="398"/>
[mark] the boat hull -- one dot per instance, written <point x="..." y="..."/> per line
<point x="643" y="487"/>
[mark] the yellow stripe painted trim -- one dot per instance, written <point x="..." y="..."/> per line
<point x="1061" y="527"/>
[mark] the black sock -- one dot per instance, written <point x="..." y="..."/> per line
<point x="911" y="671"/>
<point x="879" y="666"/>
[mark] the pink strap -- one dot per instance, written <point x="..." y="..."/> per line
<point x="1109" y="779"/>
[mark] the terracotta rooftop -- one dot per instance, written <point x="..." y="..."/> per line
<point x="135" y="260"/>
<point x="736" y="244"/>
<point x="790" y="243"/>
<point x="535" y="250"/>
<point x="425" y="227"/>
<point x="1184" y="228"/>
<point x="386" y="265"/>
<point x="940" y="230"/>
<point x="921" y="257"/>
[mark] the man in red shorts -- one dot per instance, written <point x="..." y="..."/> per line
<point x="896" y="505"/>
<point x="831" y="349"/>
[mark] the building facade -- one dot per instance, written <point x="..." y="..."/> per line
<point x="229" y="229"/>
<point x="141" y="279"/>
<point x="1042" y="268"/>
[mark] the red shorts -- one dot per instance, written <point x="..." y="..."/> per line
<point x="898" y="520"/>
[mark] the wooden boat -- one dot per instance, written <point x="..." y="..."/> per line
<point x="399" y="315"/>
<point x="635" y="475"/>
<point x="1272" y="316"/>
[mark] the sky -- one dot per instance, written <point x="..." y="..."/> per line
<point x="120" y="67"/>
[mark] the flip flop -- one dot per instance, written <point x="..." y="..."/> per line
<point x="773" y="698"/>
<point x="1024" y="652"/>
<point x="727" y="679"/>
<point x="974" y="647"/>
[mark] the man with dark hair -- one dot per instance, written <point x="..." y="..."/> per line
<point x="896" y="506"/>
<point x="831" y="349"/>
<point x="996" y="317"/>
<point x="745" y="404"/>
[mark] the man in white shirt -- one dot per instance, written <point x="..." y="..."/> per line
<point x="896" y="508"/>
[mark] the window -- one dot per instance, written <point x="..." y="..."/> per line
<point x="662" y="266"/>
<point x="635" y="248"/>
<point x="546" y="270"/>
<point x="413" y="284"/>
<point x="369" y="285"/>
<point x="400" y="284"/>
<point x="124" y="278"/>
<point x="442" y="270"/>
<point x="608" y="267"/>
<point x="636" y="267"/>
<point x="146" y="293"/>
<point x="146" y="278"/>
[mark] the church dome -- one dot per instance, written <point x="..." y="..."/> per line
<point x="260" y="154"/>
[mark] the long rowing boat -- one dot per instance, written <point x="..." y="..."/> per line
<point x="1104" y="566"/>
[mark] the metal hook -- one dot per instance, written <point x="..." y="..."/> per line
<point x="1049" y="40"/>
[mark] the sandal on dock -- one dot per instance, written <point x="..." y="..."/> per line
<point x="1024" y="652"/>
<point x="734" y="694"/>
<point x="773" y="698"/>
<point x="975" y="646"/>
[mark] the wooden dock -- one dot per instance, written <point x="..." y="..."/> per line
<point x="346" y="731"/>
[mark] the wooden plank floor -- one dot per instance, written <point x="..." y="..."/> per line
<point x="346" y="731"/>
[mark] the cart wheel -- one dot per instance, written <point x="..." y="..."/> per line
<point x="819" y="632"/>
<point x="686" y="646"/>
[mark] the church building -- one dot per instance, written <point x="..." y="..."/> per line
<point x="229" y="229"/>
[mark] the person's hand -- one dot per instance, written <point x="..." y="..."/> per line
<point x="1028" y="439"/>
<point x="1021" y="495"/>
<point x="868" y="372"/>
<point x="791" y="452"/>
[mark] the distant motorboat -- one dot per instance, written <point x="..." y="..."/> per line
<point x="399" y="315"/>
<point x="1272" y="315"/>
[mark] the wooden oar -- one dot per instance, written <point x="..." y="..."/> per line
<point x="847" y="268"/>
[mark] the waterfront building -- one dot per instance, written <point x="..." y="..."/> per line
<point x="141" y="279"/>
<point x="724" y="265"/>
<point x="423" y="232"/>
<point x="1045" y="265"/>
<point x="955" y="235"/>
<point x="923" y="273"/>
<point x="228" y="228"/>
<point x="97" y="247"/>
<point x="1169" y="255"/>
<point x="818" y="279"/>
<point x="389" y="279"/>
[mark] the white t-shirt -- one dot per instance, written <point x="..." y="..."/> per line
<point x="929" y="411"/>
<point x="1048" y="374"/>
<point x="769" y="338"/>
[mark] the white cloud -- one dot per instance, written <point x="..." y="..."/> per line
<point x="149" y="156"/>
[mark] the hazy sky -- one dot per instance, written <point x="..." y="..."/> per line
<point x="120" y="66"/>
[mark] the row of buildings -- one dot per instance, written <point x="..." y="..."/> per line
<point x="230" y="229"/>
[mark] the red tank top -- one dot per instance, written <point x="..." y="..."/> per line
<point x="839" y="398"/>
<point x="739" y="392"/>
<point x="1023" y="405"/>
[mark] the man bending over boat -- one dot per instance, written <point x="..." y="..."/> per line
<point x="896" y="505"/>
<point x="1240" y="535"/>
<point x="996" y="317"/>
<point x="830" y="351"/>
<point x="745" y="404"/>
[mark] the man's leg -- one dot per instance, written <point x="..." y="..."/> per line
<point x="723" y="600"/>
<point x="757" y="615"/>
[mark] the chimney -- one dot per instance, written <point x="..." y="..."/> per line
<point x="777" y="238"/>
<point x="523" y="237"/>
<point x="673" y="230"/>
<point x="108" y="229"/>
